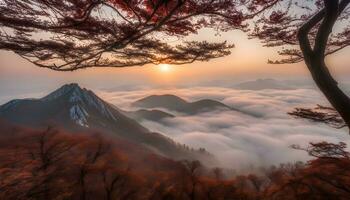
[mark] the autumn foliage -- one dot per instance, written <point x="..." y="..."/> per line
<point x="51" y="164"/>
<point x="321" y="114"/>
<point x="75" y="34"/>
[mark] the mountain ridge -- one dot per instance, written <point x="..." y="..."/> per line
<point x="263" y="84"/>
<point x="75" y="108"/>
<point x="175" y="103"/>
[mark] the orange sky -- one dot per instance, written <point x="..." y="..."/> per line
<point x="248" y="60"/>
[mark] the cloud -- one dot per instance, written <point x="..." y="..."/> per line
<point x="259" y="134"/>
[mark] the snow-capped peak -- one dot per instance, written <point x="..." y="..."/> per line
<point x="62" y="91"/>
<point x="79" y="115"/>
<point x="81" y="101"/>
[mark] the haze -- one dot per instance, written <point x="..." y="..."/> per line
<point x="248" y="61"/>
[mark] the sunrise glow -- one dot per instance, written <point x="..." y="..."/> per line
<point x="164" y="67"/>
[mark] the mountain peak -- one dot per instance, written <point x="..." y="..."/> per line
<point x="72" y="85"/>
<point x="70" y="101"/>
<point x="72" y="88"/>
<point x="81" y="101"/>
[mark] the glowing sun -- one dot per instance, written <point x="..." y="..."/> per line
<point x="164" y="67"/>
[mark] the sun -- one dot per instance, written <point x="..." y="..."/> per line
<point x="164" y="67"/>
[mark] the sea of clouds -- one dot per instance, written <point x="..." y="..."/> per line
<point x="259" y="134"/>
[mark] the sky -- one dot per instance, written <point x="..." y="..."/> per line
<point x="248" y="61"/>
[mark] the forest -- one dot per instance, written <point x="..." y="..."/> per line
<point x="51" y="164"/>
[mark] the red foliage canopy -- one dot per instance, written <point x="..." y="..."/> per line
<point x="51" y="164"/>
<point x="280" y="24"/>
<point x="75" y="34"/>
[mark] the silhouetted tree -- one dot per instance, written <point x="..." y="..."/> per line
<point x="74" y="34"/>
<point x="310" y="25"/>
<point x="322" y="114"/>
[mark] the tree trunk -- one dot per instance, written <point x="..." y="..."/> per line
<point x="82" y="183"/>
<point x="329" y="87"/>
<point x="314" y="57"/>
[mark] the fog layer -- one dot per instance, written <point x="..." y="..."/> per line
<point x="259" y="135"/>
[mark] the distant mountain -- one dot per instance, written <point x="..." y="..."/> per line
<point x="175" y="103"/>
<point x="74" y="108"/>
<point x="262" y="84"/>
<point x="151" y="115"/>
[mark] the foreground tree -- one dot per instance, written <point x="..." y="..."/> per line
<point x="321" y="114"/>
<point x="309" y="25"/>
<point x="75" y="34"/>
